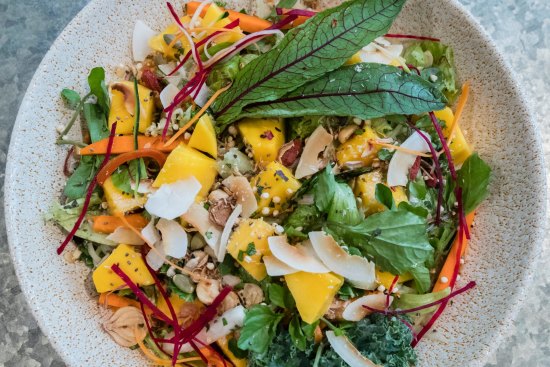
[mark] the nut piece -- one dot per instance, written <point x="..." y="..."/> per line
<point x="290" y="152"/>
<point x="346" y="133"/>
<point x="217" y="195"/>
<point x="251" y="295"/>
<point x="229" y="302"/>
<point x="336" y="309"/>
<point x="220" y="210"/>
<point x="126" y="326"/>
<point x="207" y="290"/>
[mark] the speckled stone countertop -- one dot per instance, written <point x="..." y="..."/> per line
<point x="521" y="29"/>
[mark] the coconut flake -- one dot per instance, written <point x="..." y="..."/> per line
<point x="347" y="351"/>
<point x="174" y="238"/>
<point x="356" y="269"/>
<point x="224" y="239"/>
<point x="140" y="41"/>
<point x="401" y="162"/>
<point x="355" y="310"/>
<point x="172" y="200"/>
<point x="199" y="218"/>
<point x="150" y="234"/>
<point x="168" y="95"/>
<point x="276" y="267"/>
<point x="309" y="161"/>
<point x="202" y="96"/>
<point x="298" y="257"/>
<point x="155" y="258"/>
<point x="242" y="190"/>
<point x="380" y="54"/>
<point x="126" y="236"/>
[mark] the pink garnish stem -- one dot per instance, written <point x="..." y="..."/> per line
<point x="297" y="12"/>
<point x="410" y="36"/>
<point x="444" y="144"/>
<point x="186" y="34"/>
<point x="89" y="193"/>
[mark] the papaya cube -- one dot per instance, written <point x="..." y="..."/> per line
<point x="204" y="137"/>
<point x="123" y="107"/>
<point x="248" y="244"/>
<point x="313" y="293"/>
<point x="358" y="149"/>
<point x="365" y="188"/>
<point x="120" y="202"/>
<point x="264" y="136"/>
<point x="129" y="261"/>
<point x="184" y="162"/>
<point x="274" y="187"/>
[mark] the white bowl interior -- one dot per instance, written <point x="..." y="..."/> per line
<point x="508" y="228"/>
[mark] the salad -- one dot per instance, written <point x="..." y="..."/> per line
<point x="286" y="190"/>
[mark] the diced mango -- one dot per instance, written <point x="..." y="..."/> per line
<point x="313" y="293"/>
<point x="204" y="136"/>
<point x="365" y="188"/>
<point x="274" y="187"/>
<point x="120" y="202"/>
<point x="130" y="262"/>
<point x="123" y="107"/>
<point x="213" y="19"/>
<point x="460" y="150"/>
<point x="184" y="162"/>
<point x="223" y="343"/>
<point x="248" y="244"/>
<point x="358" y="149"/>
<point x="159" y="42"/>
<point x="175" y="300"/>
<point x="386" y="278"/>
<point x="264" y="136"/>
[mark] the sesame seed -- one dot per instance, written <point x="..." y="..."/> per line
<point x="279" y="229"/>
<point x="433" y="78"/>
<point x="210" y="266"/>
<point x="381" y="288"/>
<point x="394" y="290"/>
<point x="265" y="211"/>
<point x="265" y="195"/>
<point x="104" y="205"/>
<point x="276" y="199"/>
<point x="275" y="213"/>
<point x="462" y="260"/>
<point x="60" y="128"/>
<point x="248" y="259"/>
<point x="175" y="127"/>
<point x="289" y="191"/>
<point x="255" y="189"/>
<point x="187" y="136"/>
<point x="299" y="228"/>
<point x="232" y="130"/>
<point x="444" y="280"/>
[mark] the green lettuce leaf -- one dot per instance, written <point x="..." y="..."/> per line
<point x="364" y="90"/>
<point x="322" y="44"/>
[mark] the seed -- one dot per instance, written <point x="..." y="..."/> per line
<point x="276" y="199"/>
<point x="184" y="283"/>
<point x="265" y="211"/>
<point x="197" y="242"/>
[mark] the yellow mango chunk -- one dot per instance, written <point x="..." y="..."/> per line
<point x="184" y="162"/>
<point x="274" y="187"/>
<point x="313" y="293"/>
<point x="122" y="110"/>
<point x="358" y="149"/>
<point x="386" y="278"/>
<point x="264" y="136"/>
<point x="460" y="149"/>
<point x="204" y="136"/>
<point x="120" y="202"/>
<point x="248" y="244"/>
<point x="130" y="262"/>
<point x="175" y="300"/>
<point x="158" y="42"/>
<point x="365" y="188"/>
<point x="212" y="19"/>
<point x="223" y="343"/>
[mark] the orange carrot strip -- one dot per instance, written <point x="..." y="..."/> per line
<point x="448" y="268"/>
<point x="119" y="160"/>
<point x="459" y="109"/>
<point x="116" y="301"/>
<point x="248" y="23"/>
<point x="109" y="223"/>
<point x="125" y="144"/>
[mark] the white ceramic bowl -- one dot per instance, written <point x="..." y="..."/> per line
<point x="508" y="232"/>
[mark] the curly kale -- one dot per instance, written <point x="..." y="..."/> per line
<point x="384" y="340"/>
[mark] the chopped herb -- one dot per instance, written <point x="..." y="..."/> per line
<point x="251" y="249"/>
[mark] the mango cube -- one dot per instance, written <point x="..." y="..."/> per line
<point x="204" y="137"/>
<point x="264" y="136"/>
<point x="161" y="42"/>
<point x="122" y="110"/>
<point x="460" y="150"/>
<point x="274" y="187"/>
<point x="358" y="149"/>
<point x="386" y="278"/>
<point x="184" y="162"/>
<point x="214" y="18"/>
<point x="130" y="262"/>
<point x="313" y="293"/>
<point x="248" y="244"/>
<point x="365" y="188"/>
<point x="120" y="202"/>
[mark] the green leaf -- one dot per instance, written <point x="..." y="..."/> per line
<point x="364" y="90"/>
<point x="297" y="334"/>
<point x="385" y="196"/>
<point x="422" y="280"/>
<point x="324" y="189"/>
<point x="71" y="98"/>
<point x="306" y="217"/>
<point x="396" y="240"/>
<point x="408" y="301"/>
<point x="280" y="296"/>
<point x="303" y="126"/>
<point x="322" y="44"/>
<point x="474" y="178"/>
<point x="260" y="325"/>
<point x="343" y="206"/>
<point x="121" y="179"/>
<point x="96" y="122"/>
<point x="77" y="184"/>
<point x="234" y="348"/>
<point x="96" y="81"/>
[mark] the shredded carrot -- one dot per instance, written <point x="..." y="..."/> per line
<point x="247" y="23"/>
<point x="109" y="223"/>
<point x="397" y="147"/>
<point x="459" y="109"/>
<point x="119" y="160"/>
<point x="197" y="116"/>
<point x="448" y="268"/>
<point x="125" y="144"/>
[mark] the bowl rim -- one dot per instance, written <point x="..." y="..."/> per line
<point x="539" y="227"/>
